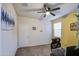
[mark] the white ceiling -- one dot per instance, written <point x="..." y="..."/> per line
<point x="25" y="9"/>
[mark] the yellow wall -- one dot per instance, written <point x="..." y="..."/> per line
<point x="68" y="38"/>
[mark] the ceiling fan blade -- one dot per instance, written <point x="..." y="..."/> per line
<point x="32" y="10"/>
<point x="58" y="8"/>
<point x="41" y="12"/>
<point x="44" y="15"/>
<point x="52" y="14"/>
<point x="48" y="8"/>
<point x="44" y="6"/>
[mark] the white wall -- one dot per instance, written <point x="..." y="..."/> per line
<point x="0" y="29"/>
<point x="29" y="37"/>
<point x="9" y="38"/>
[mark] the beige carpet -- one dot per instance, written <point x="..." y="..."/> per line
<point x="42" y="50"/>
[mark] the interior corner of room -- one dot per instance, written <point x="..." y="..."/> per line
<point x="31" y="28"/>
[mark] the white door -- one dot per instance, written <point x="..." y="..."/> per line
<point x="23" y="35"/>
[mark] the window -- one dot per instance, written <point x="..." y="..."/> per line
<point x="57" y="29"/>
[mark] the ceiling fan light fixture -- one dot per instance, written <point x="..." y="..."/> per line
<point x="47" y="13"/>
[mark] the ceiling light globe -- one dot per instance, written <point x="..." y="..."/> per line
<point x="47" y="13"/>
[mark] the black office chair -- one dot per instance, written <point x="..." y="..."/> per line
<point x="55" y="43"/>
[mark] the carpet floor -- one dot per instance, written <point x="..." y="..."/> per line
<point x="42" y="50"/>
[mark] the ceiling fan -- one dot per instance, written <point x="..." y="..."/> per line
<point x="47" y="10"/>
